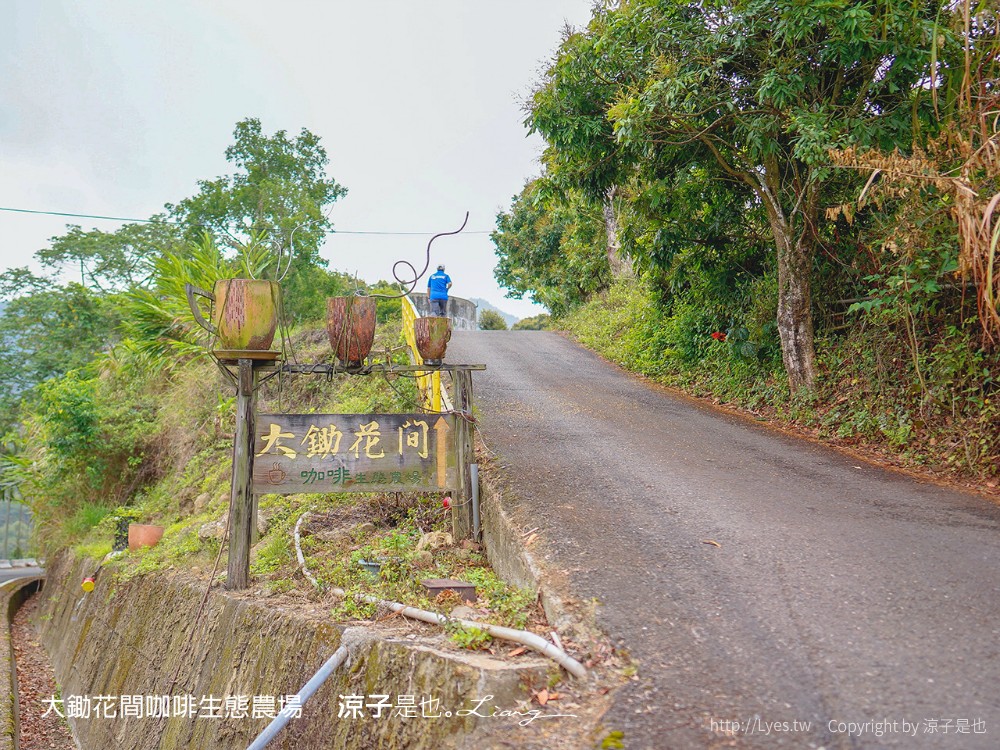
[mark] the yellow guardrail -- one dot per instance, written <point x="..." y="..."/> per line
<point x="429" y="383"/>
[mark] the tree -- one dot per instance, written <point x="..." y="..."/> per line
<point x="112" y="261"/>
<point x="552" y="248"/>
<point x="759" y="91"/>
<point x="535" y="323"/>
<point x="280" y="191"/>
<point x="491" y="320"/>
<point x="46" y="331"/>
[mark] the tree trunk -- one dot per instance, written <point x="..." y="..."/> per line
<point x="795" y="323"/>
<point x="620" y="264"/>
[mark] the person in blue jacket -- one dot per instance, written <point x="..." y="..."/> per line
<point x="438" y="284"/>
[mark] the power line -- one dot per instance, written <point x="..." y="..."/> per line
<point x="85" y="216"/>
<point x="169" y="221"/>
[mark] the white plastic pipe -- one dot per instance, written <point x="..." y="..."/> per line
<point x="529" y="640"/>
<point x="474" y="478"/>
<point x="286" y="714"/>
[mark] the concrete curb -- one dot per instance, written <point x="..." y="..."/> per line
<point x="503" y="539"/>
<point x="12" y="596"/>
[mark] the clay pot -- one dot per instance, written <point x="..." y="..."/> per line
<point x="143" y="535"/>
<point x="350" y="323"/>
<point x="244" y="312"/>
<point x="432" y="335"/>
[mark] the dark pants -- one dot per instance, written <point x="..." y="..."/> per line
<point x="439" y="308"/>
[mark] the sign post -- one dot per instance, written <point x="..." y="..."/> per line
<point x="241" y="516"/>
<point x="461" y="516"/>
<point x="291" y="453"/>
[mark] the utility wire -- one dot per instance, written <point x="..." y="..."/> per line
<point x="170" y="221"/>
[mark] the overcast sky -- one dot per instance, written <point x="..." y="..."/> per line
<point x="115" y="107"/>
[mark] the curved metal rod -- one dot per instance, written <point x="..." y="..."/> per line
<point x="279" y="274"/>
<point x="412" y="283"/>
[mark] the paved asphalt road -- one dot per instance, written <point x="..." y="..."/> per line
<point x="9" y="574"/>
<point x="842" y="594"/>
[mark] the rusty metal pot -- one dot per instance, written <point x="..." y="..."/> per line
<point x="350" y="324"/>
<point x="432" y="335"/>
<point x="244" y="312"/>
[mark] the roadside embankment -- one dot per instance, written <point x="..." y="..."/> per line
<point x="129" y="638"/>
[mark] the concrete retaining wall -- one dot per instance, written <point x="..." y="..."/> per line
<point x="129" y="639"/>
<point x="461" y="311"/>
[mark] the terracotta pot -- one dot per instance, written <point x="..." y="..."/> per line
<point x="143" y="535"/>
<point x="432" y="335"/>
<point x="350" y="324"/>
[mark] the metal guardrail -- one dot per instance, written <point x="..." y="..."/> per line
<point x="27" y="562"/>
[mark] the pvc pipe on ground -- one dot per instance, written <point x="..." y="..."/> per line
<point x="530" y="640"/>
<point x="298" y="551"/>
<point x="307" y="691"/>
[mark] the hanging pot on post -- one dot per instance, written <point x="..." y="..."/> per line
<point x="350" y="324"/>
<point x="432" y="335"/>
<point x="244" y="312"/>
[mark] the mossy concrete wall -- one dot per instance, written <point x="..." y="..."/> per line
<point x="131" y="638"/>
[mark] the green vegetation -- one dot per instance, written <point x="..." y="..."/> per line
<point x="783" y="206"/>
<point x="384" y="529"/>
<point x="490" y="320"/>
<point x="117" y="413"/>
<point x="111" y="401"/>
<point x="535" y="323"/>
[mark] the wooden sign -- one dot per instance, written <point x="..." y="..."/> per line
<point x="354" y="453"/>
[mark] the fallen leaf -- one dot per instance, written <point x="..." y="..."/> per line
<point x="555" y="696"/>
<point x="517" y="651"/>
<point x="542" y="696"/>
<point x="530" y="539"/>
<point x="711" y="541"/>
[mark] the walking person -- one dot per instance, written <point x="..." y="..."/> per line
<point x="438" y="284"/>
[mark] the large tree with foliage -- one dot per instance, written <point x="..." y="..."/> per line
<point x="279" y="191"/>
<point x="47" y="329"/>
<point x="551" y="247"/>
<point x="131" y="280"/>
<point x="759" y="91"/>
<point x="112" y="261"/>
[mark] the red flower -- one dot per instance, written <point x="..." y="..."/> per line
<point x="719" y="336"/>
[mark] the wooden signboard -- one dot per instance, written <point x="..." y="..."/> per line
<point x="354" y="453"/>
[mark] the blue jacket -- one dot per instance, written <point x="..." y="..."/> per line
<point x="437" y="285"/>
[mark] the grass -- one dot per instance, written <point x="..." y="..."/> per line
<point x="869" y="394"/>
<point x="388" y="528"/>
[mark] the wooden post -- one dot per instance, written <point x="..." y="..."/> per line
<point x="254" y="508"/>
<point x="461" y="514"/>
<point x="241" y="516"/>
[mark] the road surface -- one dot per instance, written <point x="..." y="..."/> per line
<point x="10" y="573"/>
<point x="843" y="600"/>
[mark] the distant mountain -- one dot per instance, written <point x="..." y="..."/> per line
<point x="484" y="305"/>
